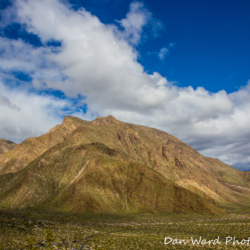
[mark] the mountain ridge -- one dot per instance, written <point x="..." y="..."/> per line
<point x="29" y="149"/>
<point x="6" y="145"/>
<point x="214" y="182"/>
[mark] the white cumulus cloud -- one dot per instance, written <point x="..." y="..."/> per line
<point x="25" y="114"/>
<point x="99" y="61"/>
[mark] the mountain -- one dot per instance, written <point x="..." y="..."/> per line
<point x="6" y="145"/>
<point x="28" y="150"/>
<point x="94" y="180"/>
<point x="109" y="166"/>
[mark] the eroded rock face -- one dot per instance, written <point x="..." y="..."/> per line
<point x="6" y="145"/>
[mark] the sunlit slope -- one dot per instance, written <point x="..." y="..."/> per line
<point x="25" y="152"/>
<point x="6" y="145"/>
<point x="93" y="178"/>
<point x="170" y="157"/>
<point x="118" y="145"/>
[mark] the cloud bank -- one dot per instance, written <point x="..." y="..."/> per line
<point x="99" y="62"/>
<point x="25" y="114"/>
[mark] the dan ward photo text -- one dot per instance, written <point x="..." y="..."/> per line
<point x="203" y="241"/>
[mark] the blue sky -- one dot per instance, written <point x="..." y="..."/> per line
<point x="179" y="66"/>
<point x="210" y="40"/>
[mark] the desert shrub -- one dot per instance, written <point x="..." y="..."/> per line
<point x="30" y="241"/>
<point x="49" y="238"/>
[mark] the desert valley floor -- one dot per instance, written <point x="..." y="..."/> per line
<point x="27" y="229"/>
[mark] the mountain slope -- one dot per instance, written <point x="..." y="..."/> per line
<point x="95" y="180"/>
<point x="75" y="173"/>
<point x="169" y="156"/>
<point x="25" y="152"/>
<point x="6" y="145"/>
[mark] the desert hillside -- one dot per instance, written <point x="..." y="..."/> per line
<point x="6" y="145"/>
<point x="109" y="166"/>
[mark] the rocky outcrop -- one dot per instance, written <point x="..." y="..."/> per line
<point x="6" y="145"/>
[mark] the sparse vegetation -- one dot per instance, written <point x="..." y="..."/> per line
<point x="30" y="241"/>
<point x="111" y="185"/>
<point x="116" y="231"/>
<point x="49" y="238"/>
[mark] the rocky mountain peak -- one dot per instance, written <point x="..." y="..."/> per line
<point x="105" y="120"/>
<point x="6" y="145"/>
<point x="108" y="165"/>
